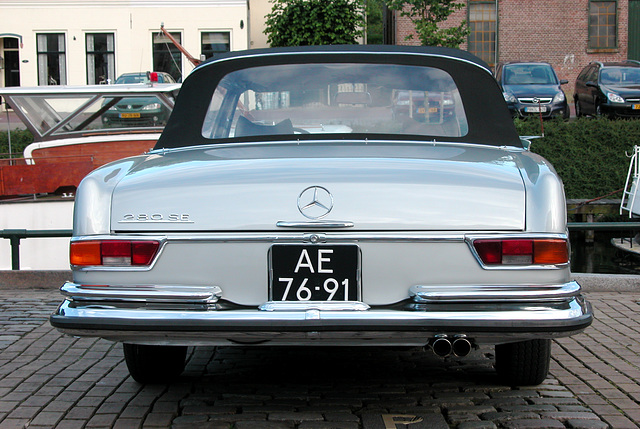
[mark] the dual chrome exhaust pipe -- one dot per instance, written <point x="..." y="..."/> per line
<point x="443" y="346"/>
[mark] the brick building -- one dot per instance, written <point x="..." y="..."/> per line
<point x="566" y="33"/>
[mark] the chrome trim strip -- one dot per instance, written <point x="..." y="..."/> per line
<point x="348" y="54"/>
<point x="314" y="305"/>
<point x="284" y="237"/>
<point x="494" y="294"/>
<point x="214" y="146"/>
<point x="144" y="293"/>
<point x="315" y="224"/>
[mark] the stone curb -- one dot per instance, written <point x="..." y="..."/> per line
<point x="33" y="279"/>
<point x="41" y="279"/>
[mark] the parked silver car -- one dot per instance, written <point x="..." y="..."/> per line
<point x="286" y="204"/>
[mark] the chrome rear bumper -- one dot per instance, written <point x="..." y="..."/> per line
<point x="210" y="321"/>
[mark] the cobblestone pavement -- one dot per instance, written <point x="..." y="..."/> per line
<point x="48" y="380"/>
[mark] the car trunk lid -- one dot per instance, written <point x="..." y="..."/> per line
<point x="357" y="186"/>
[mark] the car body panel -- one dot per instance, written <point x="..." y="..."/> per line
<point x="232" y="206"/>
<point x="414" y="188"/>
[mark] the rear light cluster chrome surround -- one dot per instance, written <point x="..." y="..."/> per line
<point x="116" y="253"/>
<point x="517" y="251"/>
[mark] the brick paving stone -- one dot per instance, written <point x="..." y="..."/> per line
<point x="47" y="419"/>
<point x="502" y="417"/>
<point x="159" y="420"/>
<point x="328" y="425"/>
<point x="477" y="425"/>
<point x="534" y="424"/>
<point x="341" y="417"/>
<point x="232" y="418"/>
<point x="586" y="424"/>
<point x="620" y="422"/>
<point x="128" y="424"/>
<point x="11" y="423"/>
<point x="102" y="420"/>
<point x="68" y="423"/>
<point x="458" y="418"/>
<point x="296" y="417"/>
<point x="260" y="425"/>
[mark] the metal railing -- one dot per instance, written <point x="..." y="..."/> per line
<point x="16" y="235"/>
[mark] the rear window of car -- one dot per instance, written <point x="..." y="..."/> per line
<point x="336" y="99"/>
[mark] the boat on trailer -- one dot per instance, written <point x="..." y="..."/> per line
<point x="79" y="128"/>
<point x="76" y="129"/>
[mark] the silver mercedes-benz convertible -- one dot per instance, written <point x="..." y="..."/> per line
<point x="352" y="195"/>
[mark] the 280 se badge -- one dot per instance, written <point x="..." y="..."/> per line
<point x="155" y="217"/>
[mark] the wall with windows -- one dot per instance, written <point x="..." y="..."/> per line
<point x="78" y="42"/>
<point x="566" y="33"/>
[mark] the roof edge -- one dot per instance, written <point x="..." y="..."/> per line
<point x="372" y="49"/>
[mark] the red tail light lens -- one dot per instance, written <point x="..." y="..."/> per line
<point x="117" y="253"/>
<point x="523" y="252"/>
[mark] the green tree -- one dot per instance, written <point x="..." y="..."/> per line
<point x="314" y="22"/>
<point x="375" y="25"/>
<point x="426" y="15"/>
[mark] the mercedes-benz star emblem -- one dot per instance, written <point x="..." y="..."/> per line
<point x="315" y="202"/>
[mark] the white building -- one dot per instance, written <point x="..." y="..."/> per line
<point x="78" y="42"/>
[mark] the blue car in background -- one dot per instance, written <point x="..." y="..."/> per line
<point x="532" y="88"/>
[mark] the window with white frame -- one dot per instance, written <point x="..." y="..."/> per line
<point x="52" y="65"/>
<point x="214" y="42"/>
<point x="100" y="58"/>
<point x="166" y="56"/>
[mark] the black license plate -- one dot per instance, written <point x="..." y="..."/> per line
<point x="314" y="273"/>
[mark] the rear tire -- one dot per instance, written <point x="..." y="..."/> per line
<point x="525" y="363"/>
<point x="579" y="113"/>
<point x="154" y="364"/>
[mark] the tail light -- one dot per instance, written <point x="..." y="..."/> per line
<point x="114" y="253"/>
<point x="523" y="252"/>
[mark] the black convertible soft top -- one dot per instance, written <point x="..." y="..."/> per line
<point x="488" y="117"/>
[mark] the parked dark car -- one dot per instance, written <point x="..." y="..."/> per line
<point x="611" y="89"/>
<point x="531" y="88"/>
<point x="139" y="111"/>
